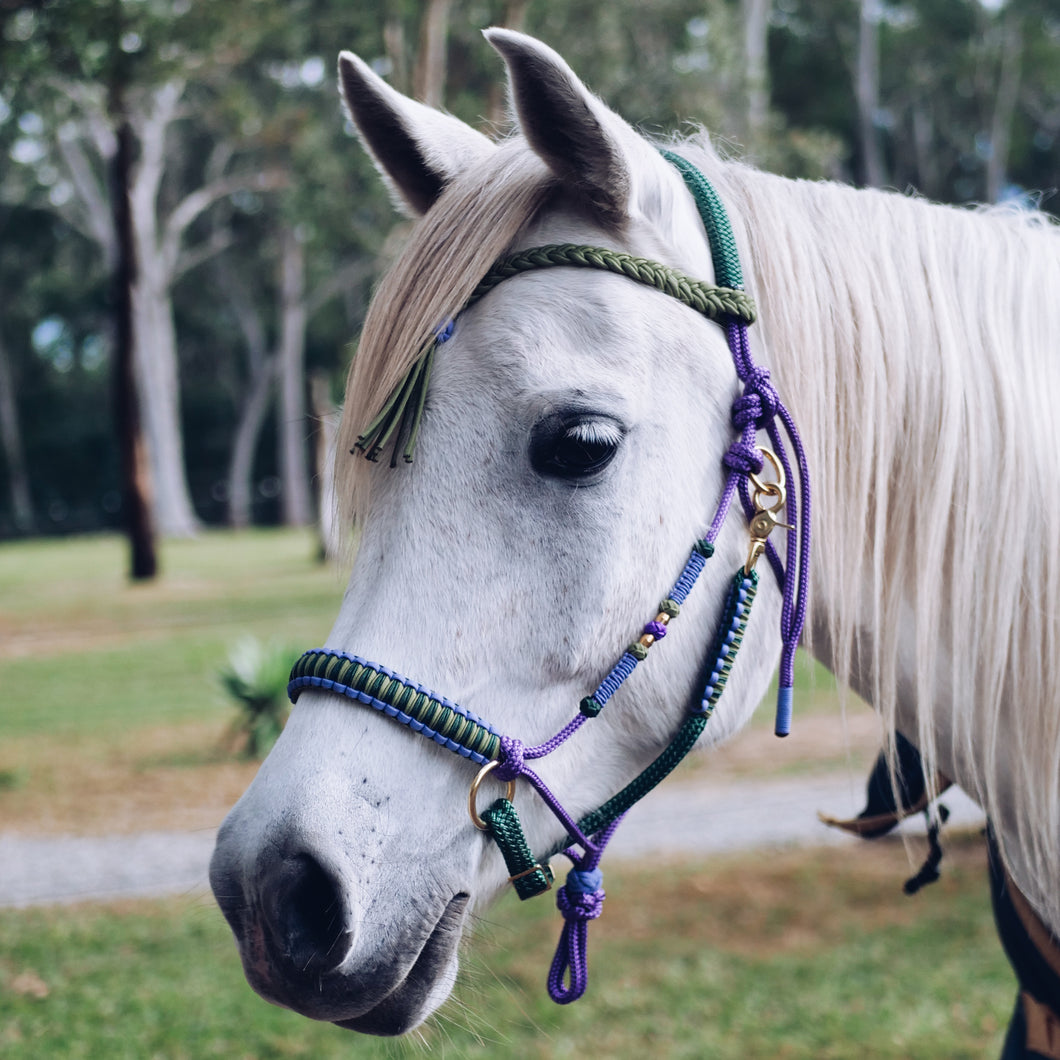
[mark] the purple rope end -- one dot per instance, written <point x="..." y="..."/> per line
<point x="783" y="723"/>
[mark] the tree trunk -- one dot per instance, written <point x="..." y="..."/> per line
<point x="248" y="431"/>
<point x="14" y="454"/>
<point x="297" y="505"/>
<point x="756" y="70"/>
<point x="135" y="466"/>
<point x="1004" y="107"/>
<point x="867" y="92"/>
<point x="431" y="63"/>
<point x="332" y="538"/>
<point x="155" y="344"/>
<point x="155" y="340"/>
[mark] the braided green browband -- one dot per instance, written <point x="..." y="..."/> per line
<point x="400" y="417"/>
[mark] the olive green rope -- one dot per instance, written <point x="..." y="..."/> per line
<point x="400" y="417"/>
<point x="712" y="301"/>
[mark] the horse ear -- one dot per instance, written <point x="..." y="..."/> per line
<point x="418" y="150"/>
<point x="581" y="140"/>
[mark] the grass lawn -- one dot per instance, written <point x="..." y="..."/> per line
<point x="112" y="717"/>
<point x="799" y="954"/>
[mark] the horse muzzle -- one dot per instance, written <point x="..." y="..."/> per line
<point x="310" y="943"/>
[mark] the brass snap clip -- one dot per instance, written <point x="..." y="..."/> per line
<point x="769" y="499"/>
<point x="472" y="799"/>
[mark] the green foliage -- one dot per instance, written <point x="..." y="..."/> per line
<point x="255" y="676"/>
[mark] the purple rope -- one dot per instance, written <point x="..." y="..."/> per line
<point x="759" y="408"/>
<point x="580" y="900"/>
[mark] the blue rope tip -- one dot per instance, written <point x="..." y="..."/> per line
<point x="784" y="700"/>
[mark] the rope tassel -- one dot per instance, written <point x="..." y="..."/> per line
<point x="580" y="900"/>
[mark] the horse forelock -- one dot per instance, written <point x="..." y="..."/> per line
<point x="449" y="251"/>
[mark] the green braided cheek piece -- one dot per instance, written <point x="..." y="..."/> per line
<point x="399" y="419"/>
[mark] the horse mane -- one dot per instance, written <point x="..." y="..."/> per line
<point x="916" y="345"/>
<point x="450" y="249"/>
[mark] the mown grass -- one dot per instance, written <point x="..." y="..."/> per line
<point x="811" y="955"/>
<point x="84" y="650"/>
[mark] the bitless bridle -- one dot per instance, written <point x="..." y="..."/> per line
<point x="764" y="501"/>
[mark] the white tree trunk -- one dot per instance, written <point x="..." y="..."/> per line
<point x="159" y="392"/>
<point x="756" y="69"/>
<point x="154" y="334"/>
<point x="248" y="431"/>
<point x="294" y="425"/>
<point x="867" y="91"/>
<point x="333" y="539"/>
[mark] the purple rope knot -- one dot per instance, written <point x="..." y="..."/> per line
<point x="582" y="896"/>
<point x="759" y="402"/>
<point x="744" y="458"/>
<point x="510" y="765"/>
<point x="656" y="629"/>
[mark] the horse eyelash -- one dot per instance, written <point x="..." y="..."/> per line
<point x="595" y="432"/>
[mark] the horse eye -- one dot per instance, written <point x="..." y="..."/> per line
<point x="574" y="448"/>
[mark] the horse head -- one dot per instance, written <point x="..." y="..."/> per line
<point x="570" y="448"/>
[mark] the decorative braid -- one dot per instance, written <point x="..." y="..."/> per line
<point x="716" y="221"/>
<point x="712" y="301"/>
<point x="420" y="709"/>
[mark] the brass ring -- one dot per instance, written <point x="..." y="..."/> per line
<point x="769" y="488"/>
<point x="472" y="797"/>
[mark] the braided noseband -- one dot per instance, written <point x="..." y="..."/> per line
<point x="758" y="409"/>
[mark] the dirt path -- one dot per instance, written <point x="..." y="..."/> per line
<point x="689" y="816"/>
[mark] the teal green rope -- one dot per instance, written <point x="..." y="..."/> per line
<point x="527" y="876"/>
<point x="723" y="250"/>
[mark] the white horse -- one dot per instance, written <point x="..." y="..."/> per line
<point x="571" y="449"/>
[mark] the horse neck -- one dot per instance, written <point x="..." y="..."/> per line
<point x="915" y="346"/>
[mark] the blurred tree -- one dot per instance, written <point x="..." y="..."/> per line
<point x="252" y="272"/>
<point x="69" y="53"/>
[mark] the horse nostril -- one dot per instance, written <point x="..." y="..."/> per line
<point x="306" y="915"/>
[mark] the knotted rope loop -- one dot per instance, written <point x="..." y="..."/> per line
<point x="744" y="458"/>
<point x="759" y="403"/>
<point x="581" y="905"/>
<point x="512" y="758"/>
<point x="580" y="900"/>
